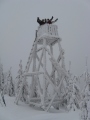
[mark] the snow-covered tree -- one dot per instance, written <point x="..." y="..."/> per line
<point x="88" y="109"/>
<point x="83" y="108"/>
<point x="24" y="91"/>
<point x="85" y="103"/>
<point x="73" y="94"/>
<point x="1" y="77"/>
<point x="5" y="82"/>
<point x="19" y="78"/>
<point x="10" y="85"/>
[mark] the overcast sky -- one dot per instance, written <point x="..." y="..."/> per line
<point x="18" y="25"/>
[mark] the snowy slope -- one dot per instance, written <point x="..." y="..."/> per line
<point x="25" y="112"/>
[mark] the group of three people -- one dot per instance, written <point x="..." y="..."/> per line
<point x="44" y="21"/>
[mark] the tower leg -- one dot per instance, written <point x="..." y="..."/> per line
<point x="53" y="76"/>
<point x="33" y="84"/>
<point x="44" y="68"/>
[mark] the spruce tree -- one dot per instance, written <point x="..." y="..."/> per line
<point x="10" y="85"/>
<point x="1" y="77"/>
<point x="24" y="91"/>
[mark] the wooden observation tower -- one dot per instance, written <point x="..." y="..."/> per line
<point x="46" y="37"/>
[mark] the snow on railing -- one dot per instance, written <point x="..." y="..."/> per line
<point x="47" y="29"/>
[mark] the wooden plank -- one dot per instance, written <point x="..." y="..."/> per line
<point x="32" y="73"/>
<point x="44" y="69"/>
<point x="59" y="68"/>
<point x="54" y="95"/>
<point x="39" y="49"/>
<point x="48" y="77"/>
<point x="40" y="60"/>
<point x="31" y="55"/>
<point x="35" y="104"/>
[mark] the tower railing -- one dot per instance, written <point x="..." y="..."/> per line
<point x="47" y="29"/>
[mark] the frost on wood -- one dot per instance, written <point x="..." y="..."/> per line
<point x="47" y="88"/>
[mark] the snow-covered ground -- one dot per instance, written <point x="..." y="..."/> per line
<point x="25" y="112"/>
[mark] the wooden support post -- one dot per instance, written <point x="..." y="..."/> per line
<point x="62" y="57"/>
<point x="59" y="68"/>
<point x="32" y="56"/>
<point x="58" y="60"/>
<point x="48" y="76"/>
<point x="53" y="76"/>
<point x="32" y="74"/>
<point x="40" y="60"/>
<point x="55" y="94"/>
<point x="31" y="53"/>
<point x="35" y="104"/>
<point x="39" y="86"/>
<point x="44" y="68"/>
<point x="33" y="87"/>
<point x="50" y="54"/>
<point x="51" y="49"/>
<point x="39" y="49"/>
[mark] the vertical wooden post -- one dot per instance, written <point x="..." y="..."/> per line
<point x="62" y="57"/>
<point x="37" y="77"/>
<point x="44" y="67"/>
<point x="33" y="70"/>
<point x="31" y="54"/>
<point x="51" y="50"/>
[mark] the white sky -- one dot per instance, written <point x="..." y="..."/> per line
<point x="18" y="25"/>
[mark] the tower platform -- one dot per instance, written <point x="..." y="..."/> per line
<point x="49" y="32"/>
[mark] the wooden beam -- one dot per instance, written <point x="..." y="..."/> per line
<point x="35" y="104"/>
<point x="62" y="57"/>
<point x="58" y="60"/>
<point x="48" y="77"/>
<point x="39" y="86"/>
<point x="49" y="53"/>
<point x="31" y="53"/>
<point x="53" y="43"/>
<point x="55" y="62"/>
<point x="39" y="49"/>
<point x="54" y="95"/>
<point x="32" y="73"/>
<point x="53" y="76"/>
<point x="34" y="98"/>
<point x="50" y="81"/>
<point x="44" y="69"/>
<point x="40" y="60"/>
<point x="59" y="68"/>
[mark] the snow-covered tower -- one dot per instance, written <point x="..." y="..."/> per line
<point x="46" y="37"/>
